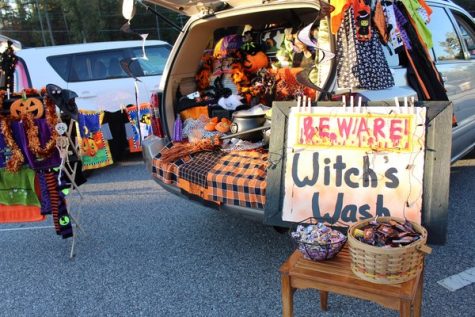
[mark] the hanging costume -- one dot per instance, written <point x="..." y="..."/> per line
<point x="360" y="64"/>
<point x="422" y="73"/>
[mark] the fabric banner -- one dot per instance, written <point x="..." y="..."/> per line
<point x="19" y="197"/>
<point x="95" y="150"/>
<point x="344" y="166"/>
<point x="145" y="123"/>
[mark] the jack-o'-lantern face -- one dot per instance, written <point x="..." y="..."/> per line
<point x="98" y="140"/>
<point x="22" y="107"/>
<point x="89" y="147"/>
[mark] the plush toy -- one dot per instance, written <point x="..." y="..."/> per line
<point x="253" y="62"/>
<point x="231" y="102"/>
<point x="203" y="75"/>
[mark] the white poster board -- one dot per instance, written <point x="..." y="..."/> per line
<point x="345" y="166"/>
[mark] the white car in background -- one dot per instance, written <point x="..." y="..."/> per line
<point x="93" y="71"/>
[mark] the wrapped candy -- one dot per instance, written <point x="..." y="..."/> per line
<point x="387" y="234"/>
<point x="317" y="241"/>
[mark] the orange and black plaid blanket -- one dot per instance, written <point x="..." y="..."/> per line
<point x="236" y="178"/>
<point x="167" y="172"/>
<point x="239" y="178"/>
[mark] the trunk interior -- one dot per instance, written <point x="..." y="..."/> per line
<point x="204" y="34"/>
<point x="236" y="178"/>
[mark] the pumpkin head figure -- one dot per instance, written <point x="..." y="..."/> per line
<point x="89" y="146"/>
<point x="22" y="107"/>
<point x="98" y="140"/>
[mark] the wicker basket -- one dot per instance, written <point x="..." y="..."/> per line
<point x="387" y="265"/>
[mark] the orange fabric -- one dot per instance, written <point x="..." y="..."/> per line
<point x="194" y="113"/>
<point x="421" y="82"/>
<point x="379" y="21"/>
<point x="18" y="213"/>
<point x="426" y="7"/>
<point x="337" y="15"/>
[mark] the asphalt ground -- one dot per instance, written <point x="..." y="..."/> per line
<point x="150" y="253"/>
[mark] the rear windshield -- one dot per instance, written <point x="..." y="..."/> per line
<point x="105" y="64"/>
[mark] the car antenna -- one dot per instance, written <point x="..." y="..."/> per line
<point x="148" y="8"/>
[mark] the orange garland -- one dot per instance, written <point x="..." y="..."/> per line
<point x="2" y="97"/>
<point x="16" y="159"/>
<point x="32" y="131"/>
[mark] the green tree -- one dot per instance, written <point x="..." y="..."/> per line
<point x="84" y="19"/>
<point x="52" y="22"/>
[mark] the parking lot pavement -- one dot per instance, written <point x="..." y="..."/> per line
<point x="148" y="253"/>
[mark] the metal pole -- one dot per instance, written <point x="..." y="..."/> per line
<point x="48" y="23"/>
<point x="66" y="25"/>
<point x="41" y="23"/>
<point x="158" y="25"/>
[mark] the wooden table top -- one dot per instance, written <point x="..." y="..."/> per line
<point x="337" y="272"/>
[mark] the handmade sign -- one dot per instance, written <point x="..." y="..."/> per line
<point x="344" y="166"/>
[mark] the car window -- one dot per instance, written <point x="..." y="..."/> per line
<point x="61" y="65"/>
<point x="467" y="32"/>
<point x="98" y="65"/>
<point x="446" y="42"/>
<point x="105" y="64"/>
<point x="157" y="57"/>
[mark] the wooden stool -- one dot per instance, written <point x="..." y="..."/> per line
<point x="335" y="276"/>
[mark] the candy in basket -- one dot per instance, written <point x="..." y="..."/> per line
<point x="317" y="241"/>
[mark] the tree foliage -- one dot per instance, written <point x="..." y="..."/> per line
<point x="52" y="22"/>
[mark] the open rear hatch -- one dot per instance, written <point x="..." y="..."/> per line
<point x="206" y="52"/>
<point x="192" y="7"/>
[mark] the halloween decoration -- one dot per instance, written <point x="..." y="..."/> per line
<point x="64" y="99"/>
<point x="2" y="98"/>
<point x="362" y="20"/>
<point x="32" y="131"/>
<point x="92" y="140"/>
<point x="22" y="107"/>
<point x="182" y="149"/>
<point x="177" y="130"/>
<point x="8" y="62"/>
<point x="15" y="160"/>
<point x="253" y="62"/>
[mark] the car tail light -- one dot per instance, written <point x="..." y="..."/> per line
<point x="156" y="123"/>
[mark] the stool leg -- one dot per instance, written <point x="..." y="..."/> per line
<point x="418" y="299"/>
<point x="323" y="300"/>
<point x="405" y="308"/>
<point x="287" y="297"/>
